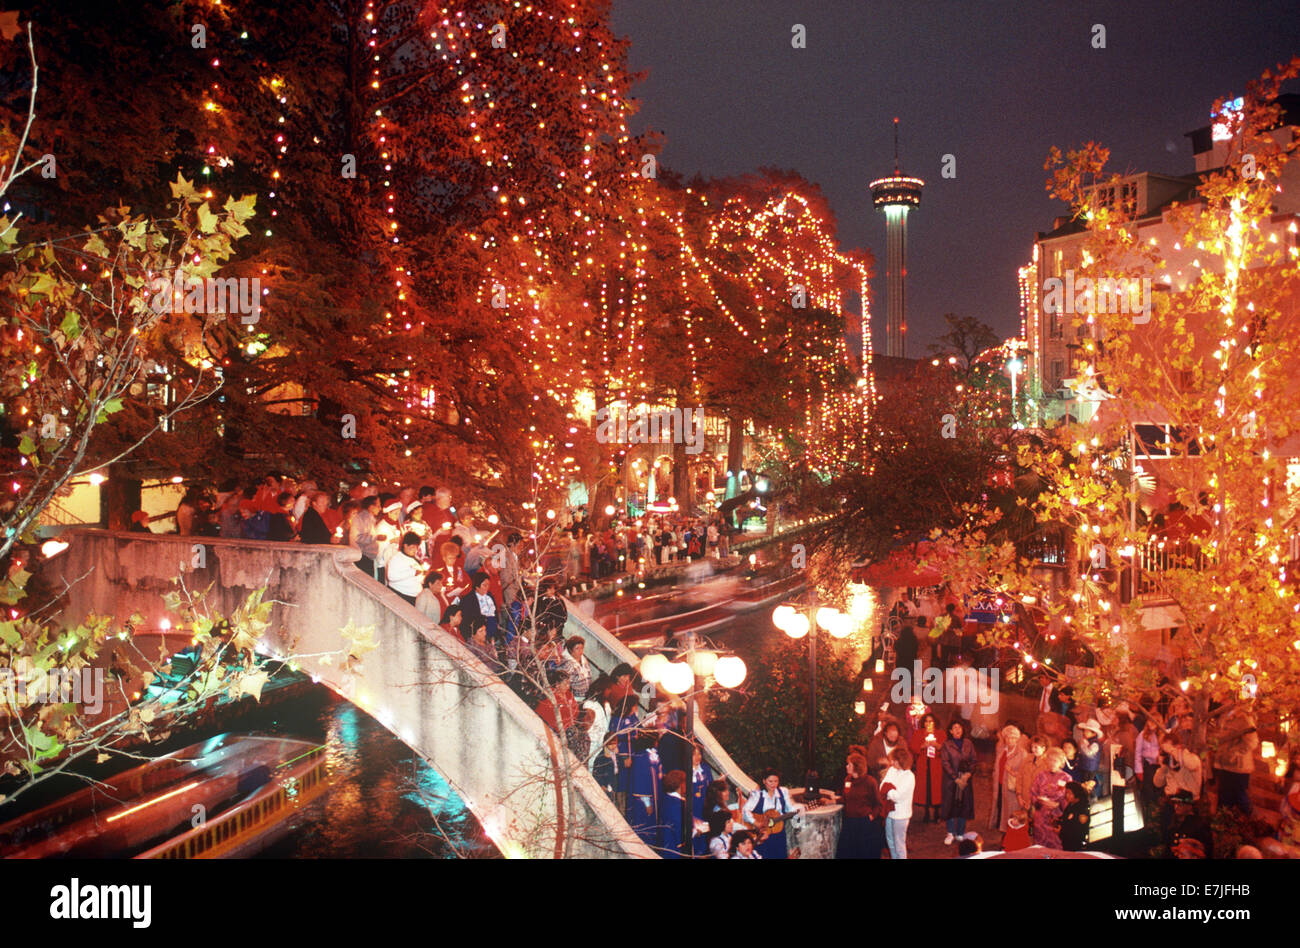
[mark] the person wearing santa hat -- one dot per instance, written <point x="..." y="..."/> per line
<point x="388" y="534"/>
<point x="414" y="523"/>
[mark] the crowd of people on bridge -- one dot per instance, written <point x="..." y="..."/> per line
<point x="482" y="583"/>
<point x="493" y="592"/>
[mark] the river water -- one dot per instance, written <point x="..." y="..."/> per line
<point x="383" y="800"/>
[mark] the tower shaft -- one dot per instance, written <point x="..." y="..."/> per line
<point x="896" y="279"/>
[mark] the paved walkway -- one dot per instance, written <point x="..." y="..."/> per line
<point x="925" y="839"/>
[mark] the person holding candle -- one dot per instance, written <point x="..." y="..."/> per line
<point x="925" y="743"/>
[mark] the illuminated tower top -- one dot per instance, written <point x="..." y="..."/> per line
<point x="896" y="195"/>
<point x="897" y="188"/>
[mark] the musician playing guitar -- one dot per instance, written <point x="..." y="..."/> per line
<point x="767" y="809"/>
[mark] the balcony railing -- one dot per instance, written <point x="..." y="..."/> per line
<point x="1157" y="559"/>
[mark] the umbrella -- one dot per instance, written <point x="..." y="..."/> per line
<point x="900" y="568"/>
<point x="1042" y="852"/>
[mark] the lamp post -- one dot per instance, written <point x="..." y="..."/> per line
<point x="1014" y="367"/>
<point x="797" y="622"/>
<point x="689" y="672"/>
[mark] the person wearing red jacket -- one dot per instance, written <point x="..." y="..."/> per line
<point x="1017" y="832"/>
<point x="568" y="708"/>
<point x="455" y="581"/>
<point x="925" y="743"/>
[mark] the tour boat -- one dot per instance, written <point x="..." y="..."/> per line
<point x="225" y="796"/>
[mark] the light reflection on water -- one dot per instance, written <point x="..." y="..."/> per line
<point x="383" y="800"/>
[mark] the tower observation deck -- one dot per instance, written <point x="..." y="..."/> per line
<point x="896" y="195"/>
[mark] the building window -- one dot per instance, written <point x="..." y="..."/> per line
<point x="1058" y="373"/>
<point x="1129" y="198"/>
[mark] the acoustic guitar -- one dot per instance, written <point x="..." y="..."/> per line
<point x="765" y="824"/>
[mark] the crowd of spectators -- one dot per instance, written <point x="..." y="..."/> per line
<point x="477" y="585"/>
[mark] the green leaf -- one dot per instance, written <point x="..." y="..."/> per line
<point x="234" y="229"/>
<point x="207" y="220"/>
<point x="44" y="746"/>
<point x="71" y="325"/>
<point x="42" y="284"/>
<point x="182" y="188"/>
<point x="242" y="209"/>
<point x="95" y="245"/>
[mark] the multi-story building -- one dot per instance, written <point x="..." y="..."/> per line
<point x="1054" y="390"/>
<point x="1059" y="390"/>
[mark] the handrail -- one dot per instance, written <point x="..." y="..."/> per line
<point x="596" y="634"/>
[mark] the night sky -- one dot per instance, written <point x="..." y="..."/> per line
<point x="994" y="83"/>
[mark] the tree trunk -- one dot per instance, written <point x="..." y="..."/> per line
<point x="598" y="500"/>
<point x="735" y="452"/>
<point x="683" y="489"/>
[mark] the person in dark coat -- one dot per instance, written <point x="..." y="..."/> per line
<point x="957" y="754"/>
<point x="623" y="728"/>
<point x="905" y="647"/>
<point x="313" y="520"/>
<point x="1074" y="821"/>
<point x="644" y="789"/>
<point x="281" y="524"/>
<point x="701" y="778"/>
<point x="674" y="747"/>
<point x="672" y="814"/>
<point x="605" y="767"/>
<point x="551" y="612"/>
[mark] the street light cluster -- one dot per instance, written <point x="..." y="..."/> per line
<point x="677" y="677"/>
<point x="797" y="624"/>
